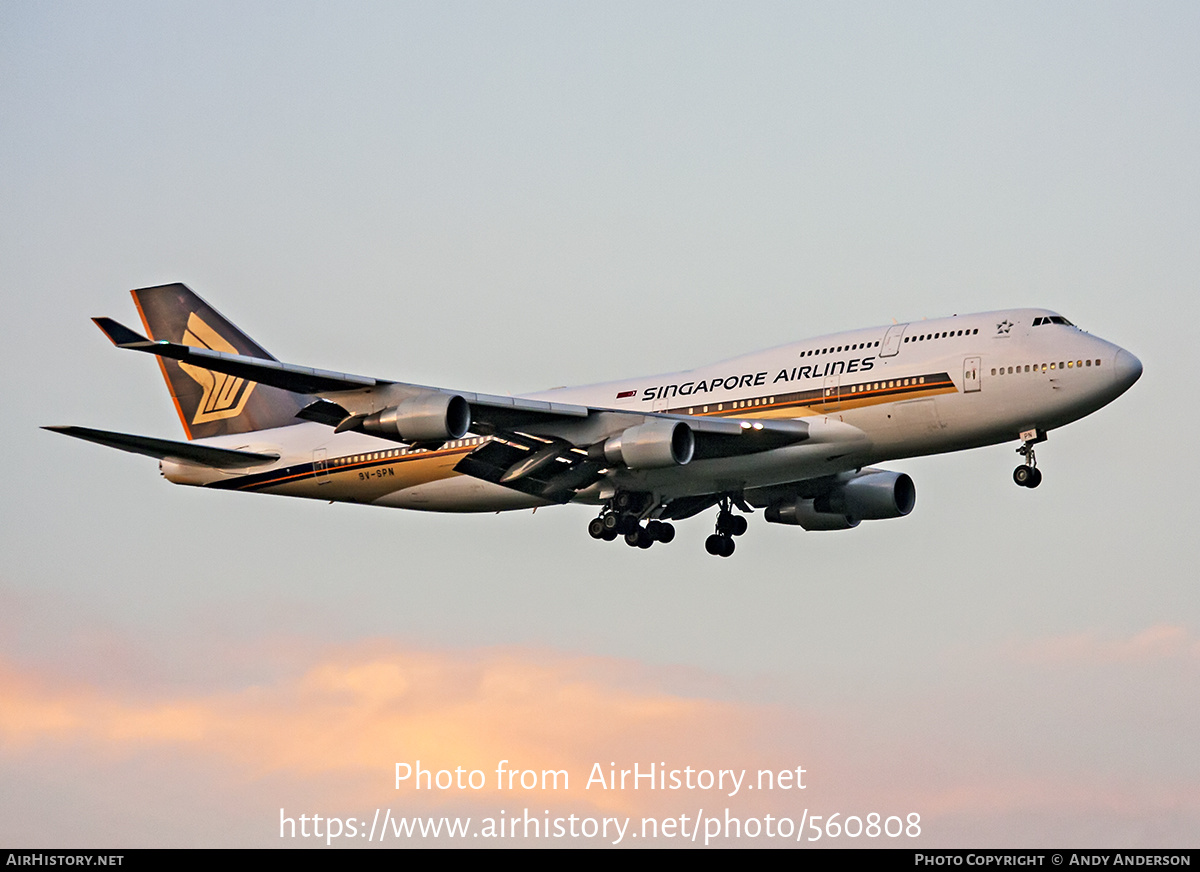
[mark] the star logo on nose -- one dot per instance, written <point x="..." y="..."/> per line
<point x="1003" y="327"/>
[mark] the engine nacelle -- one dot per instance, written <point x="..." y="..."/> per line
<point x="871" y="495"/>
<point x="656" y="444"/>
<point x="802" y="514"/>
<point x="426" y="418"/>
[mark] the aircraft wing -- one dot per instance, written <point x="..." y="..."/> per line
<point x="551" y="449"/>
<point x="318" y="382"/>
<point x="555" y="469"/>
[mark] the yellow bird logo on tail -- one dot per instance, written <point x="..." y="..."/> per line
<point x="224" y="395"/>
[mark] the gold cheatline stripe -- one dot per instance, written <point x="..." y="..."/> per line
<point x="330" y="468"/>
<point x="819" y="398"/>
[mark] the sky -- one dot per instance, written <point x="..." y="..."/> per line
<point x="509" y="197"/>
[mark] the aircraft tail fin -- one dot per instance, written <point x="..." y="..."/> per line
<point x="211" y="403"/>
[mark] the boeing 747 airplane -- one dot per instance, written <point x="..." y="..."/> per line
<point x="793" y="430"/>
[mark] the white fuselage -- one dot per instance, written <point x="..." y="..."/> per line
<point x="868" y="396"/>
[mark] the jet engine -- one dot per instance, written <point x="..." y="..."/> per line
<point x="433" y="417"/>
<point x="801" y="513"/>
<point x="655" y="444"/>
<point x="870" y="495"/>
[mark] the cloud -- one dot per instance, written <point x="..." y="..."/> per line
<point x="355" y="712"/>
<point x="1159" y="643"/>
<point x="321" y="729"/>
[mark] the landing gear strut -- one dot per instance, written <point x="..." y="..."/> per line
<point x="720" y="543"/>
<point x="1027" y="474"/>
<point x="623" y="516"/>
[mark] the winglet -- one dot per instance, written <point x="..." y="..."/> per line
<point x="118" y="334"/>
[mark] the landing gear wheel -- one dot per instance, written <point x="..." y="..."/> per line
<point x="1035" y="478"/>
<point x="639" y="538"/>
<point x="1023" y="475"/>
<point x="666" y="532"/>
<point x="596" y="528"/>
<point x="612" y="521"/>
<point x="729" y="525"/>
<point x="718" y="545"/>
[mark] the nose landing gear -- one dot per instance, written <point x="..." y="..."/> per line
<point x="1027" y="474"/>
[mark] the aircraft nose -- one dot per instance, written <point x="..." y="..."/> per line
<point x="1127" y="369"/>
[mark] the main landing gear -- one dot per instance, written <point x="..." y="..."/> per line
<point x="623" y="518"/>
<point x="625" y="513"/>
<point x="720" y="543"/>
<point x="1027" y="474"/>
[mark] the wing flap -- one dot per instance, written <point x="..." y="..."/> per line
<point x="532" y="466"/>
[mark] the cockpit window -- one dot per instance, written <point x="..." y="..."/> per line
<point x="1052" y="319"/>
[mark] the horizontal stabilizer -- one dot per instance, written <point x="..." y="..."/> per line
<point x="299" y="379"/>
<point x="167" y="449"/>
<point x="118" y="334"/>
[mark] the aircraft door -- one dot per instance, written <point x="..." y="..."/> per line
<point x="891" y="341"/>
<point x="832" y="398"/>
<point x="321" y="465"/>
<point x="971" y="374"/>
